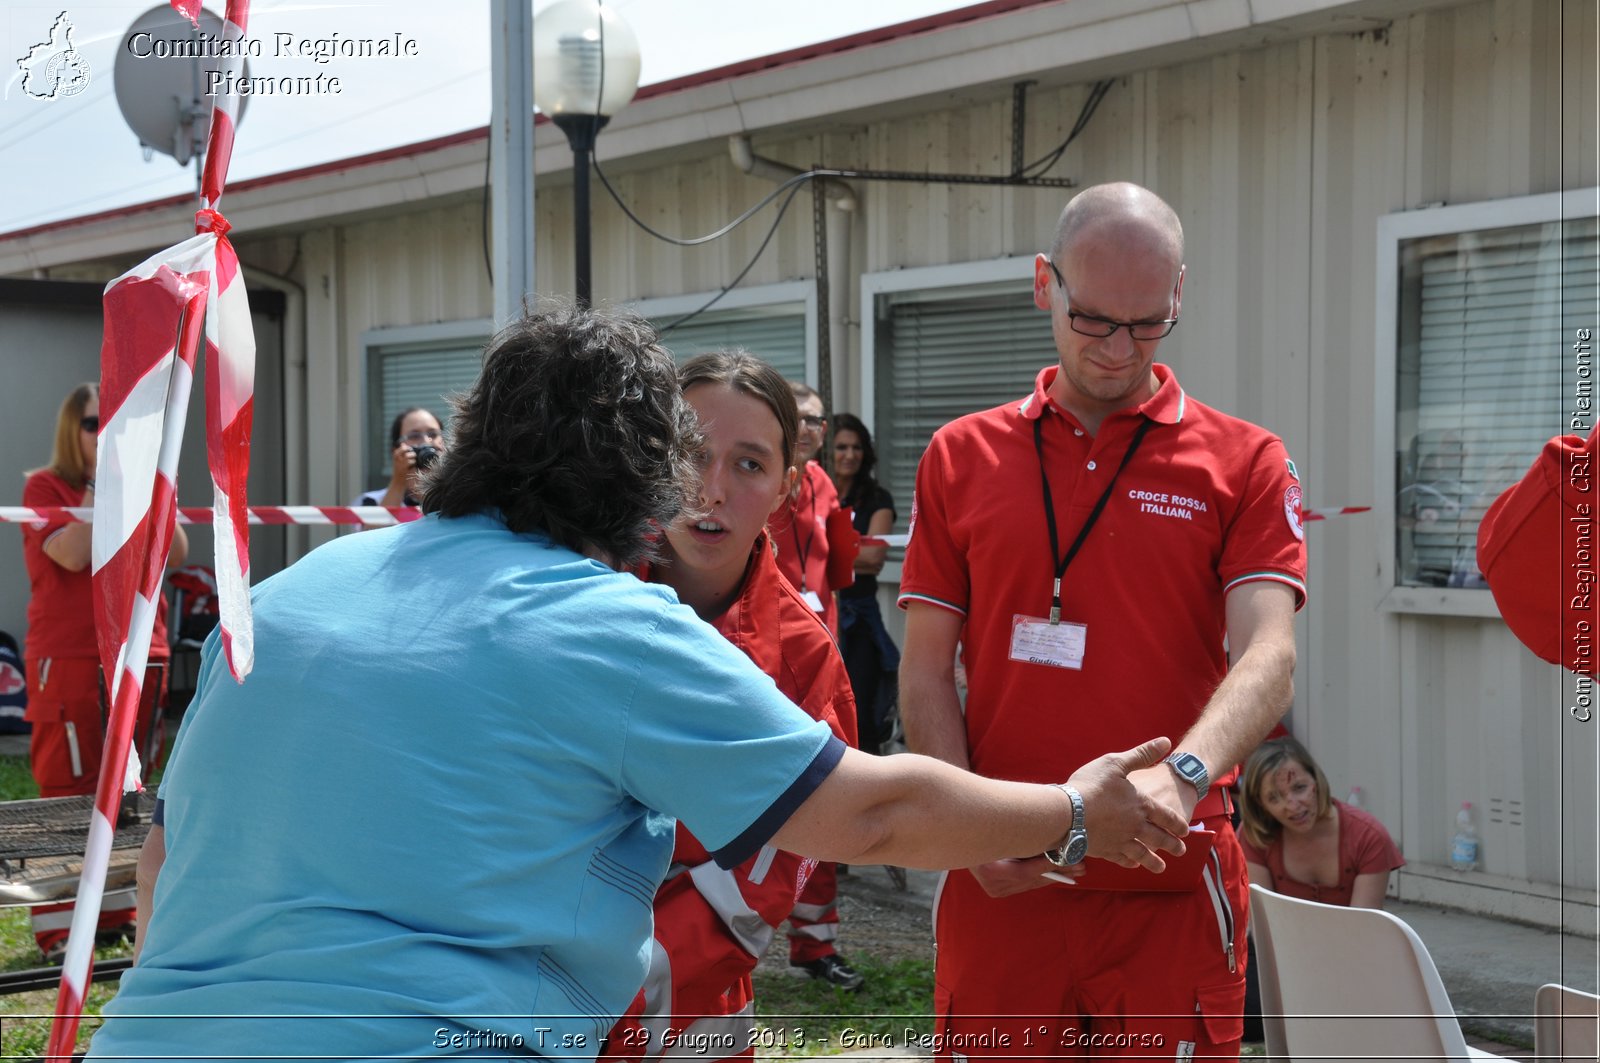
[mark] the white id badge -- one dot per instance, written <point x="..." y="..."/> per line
<point x="1038" y="641"/>
<point x="812" y="600"/>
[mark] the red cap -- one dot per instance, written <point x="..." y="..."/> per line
<point x="1537" y="548"/>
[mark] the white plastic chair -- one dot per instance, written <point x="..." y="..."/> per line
<point x="1349" y="984"/>
<point x="1566" y="1024"/>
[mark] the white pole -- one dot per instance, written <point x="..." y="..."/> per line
<point x="511" y="155"/>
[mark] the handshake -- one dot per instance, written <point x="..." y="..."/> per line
<point x="1129" y="813"/>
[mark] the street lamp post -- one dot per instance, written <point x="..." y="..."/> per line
<point x="585" y="69"/>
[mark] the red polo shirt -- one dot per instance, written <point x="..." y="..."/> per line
<point x="777" y="630"/>
<point x="1208" y="502"/>
<point x="800" y="531"/>
<point x="61" y="606"/>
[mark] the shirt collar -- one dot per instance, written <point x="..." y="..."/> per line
<point x="752" y="622"/>
<point x="756" y="608"/>
<point x="1166" y="406"/>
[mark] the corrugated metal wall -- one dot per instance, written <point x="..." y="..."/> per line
<point x="1280" y="159"/>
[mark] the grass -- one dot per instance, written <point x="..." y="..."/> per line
<point x="799" y="1018"/>
<point x="25" y="1017"/>
<point x="16" y="780"/>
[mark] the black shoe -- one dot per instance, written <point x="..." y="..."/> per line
<point x="831" y="969"/>
<point x="114" y="935"/>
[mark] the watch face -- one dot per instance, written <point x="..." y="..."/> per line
<point x="1077" y="848"/>
<point x="1192" y="768"/>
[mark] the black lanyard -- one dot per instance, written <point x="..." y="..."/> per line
<point x="804" y="549"/>
<point x="1094" y="514"/>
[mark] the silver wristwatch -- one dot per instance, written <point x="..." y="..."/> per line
<point x="1076" y="845"/>
<point x="1191" y="769"/>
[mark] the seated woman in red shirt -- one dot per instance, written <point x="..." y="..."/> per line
<point x="1301" y="842"/>
<point x="713" y="925"/>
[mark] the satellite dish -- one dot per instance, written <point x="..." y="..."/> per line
<point x="160" y="79"/>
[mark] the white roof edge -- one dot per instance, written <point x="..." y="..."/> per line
<point x="1072" y="40"/>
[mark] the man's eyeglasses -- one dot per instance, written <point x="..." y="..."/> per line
<point x="1100" y="328"/>
<point x="89" y="424"/>
<point x="421" y="436"/>
<point x="811" y="420"/>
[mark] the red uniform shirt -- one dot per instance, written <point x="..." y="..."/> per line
<point x="1207" y="503"/>
<point x="61" y="609"/>
<point x="713" y="925"/>
<point x="1365" y="848"/>
<point x="800" y="530"/>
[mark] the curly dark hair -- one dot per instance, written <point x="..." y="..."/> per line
<point x="575" y="428"/>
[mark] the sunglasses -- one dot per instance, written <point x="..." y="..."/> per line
<point x="89" y="424"/>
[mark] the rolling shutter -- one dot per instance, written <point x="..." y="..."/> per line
<point x="775" y="335"/>
<point x="1486" y="377"/>
<point x="949" y="353"/>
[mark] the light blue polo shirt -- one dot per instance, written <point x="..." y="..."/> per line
<point x="434" y="817"/>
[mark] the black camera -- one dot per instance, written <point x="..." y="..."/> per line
<point x="426" y="454"/>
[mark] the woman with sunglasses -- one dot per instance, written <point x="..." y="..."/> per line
<point x="62" y="657"/>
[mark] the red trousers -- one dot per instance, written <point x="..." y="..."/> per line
<point x="1071" y="973"/>
<point x="64" y="753"/>
<point x="814" y="923"/>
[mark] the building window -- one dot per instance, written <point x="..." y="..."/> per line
<point x="1484" y="319"/>
<point x="421" y="366"/>
<point x="945" y="343"/>
<point x="776" y="335"/>
<point x="774" y="322"/>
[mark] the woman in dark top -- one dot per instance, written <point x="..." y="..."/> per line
<point x="870" y="656"/>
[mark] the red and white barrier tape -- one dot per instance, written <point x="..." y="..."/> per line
<point x="370" y="516"/>
<point x="383" y="516"/>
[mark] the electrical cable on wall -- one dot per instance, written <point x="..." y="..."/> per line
<point x="1096" y="93"/>
<point x="1024" y="177"/>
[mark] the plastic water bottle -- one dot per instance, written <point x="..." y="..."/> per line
<point x="1354" y="800"/>
<point x="1464" y="843"/>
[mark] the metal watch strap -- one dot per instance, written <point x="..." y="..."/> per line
<point x="1195" y="774"/>
<point x="1077" y="805"/>
<point x="1075" y="846"/>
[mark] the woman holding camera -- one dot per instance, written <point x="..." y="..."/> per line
<point x="416" y="441"/>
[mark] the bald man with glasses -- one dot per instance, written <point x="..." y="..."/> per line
<point x="1089" y="547"/>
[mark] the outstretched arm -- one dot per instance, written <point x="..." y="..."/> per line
<point x="914" y="811"/>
